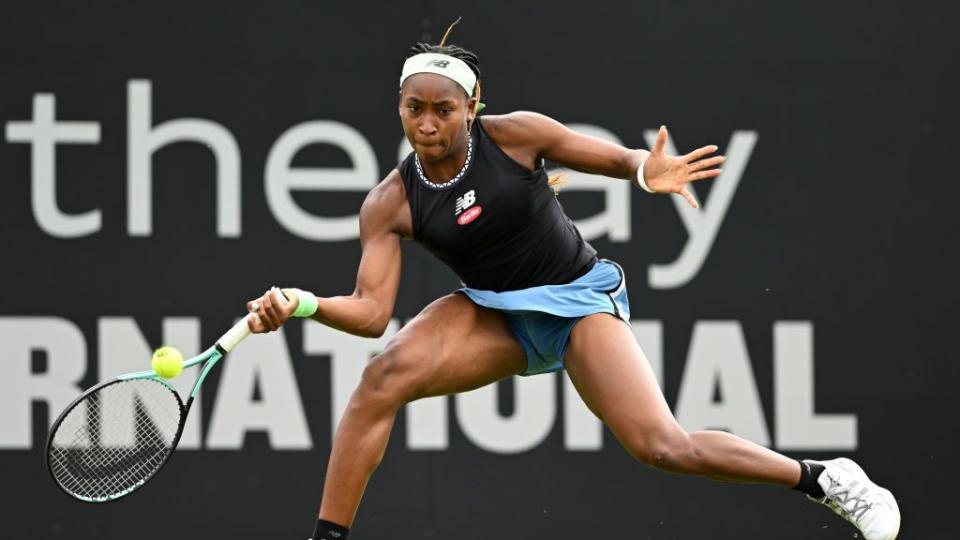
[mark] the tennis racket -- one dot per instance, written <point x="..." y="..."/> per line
<point x="118" y="434"/>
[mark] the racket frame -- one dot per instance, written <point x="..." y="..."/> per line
<point x="209" y="358"/>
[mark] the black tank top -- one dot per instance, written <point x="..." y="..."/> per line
<point x="499" y="226"/>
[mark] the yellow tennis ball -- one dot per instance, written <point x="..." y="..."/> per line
<point x="167" y="362"/>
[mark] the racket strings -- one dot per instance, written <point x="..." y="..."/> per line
<point x="113" y="441"/>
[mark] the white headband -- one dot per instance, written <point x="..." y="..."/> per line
<point x="441" y="64"/>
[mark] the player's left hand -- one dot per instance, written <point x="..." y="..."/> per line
<point x="671" y="174"/>
<point x="270" y="311"/>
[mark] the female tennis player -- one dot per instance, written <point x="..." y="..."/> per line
<point x="536" y="298"/>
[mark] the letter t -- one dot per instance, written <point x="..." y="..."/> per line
<point x="43" y="133"/>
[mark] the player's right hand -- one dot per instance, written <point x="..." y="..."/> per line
<point x="270" y="311"/>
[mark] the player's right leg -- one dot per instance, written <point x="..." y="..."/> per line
<point x="452" y="346"/>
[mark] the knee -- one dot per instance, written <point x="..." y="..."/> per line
<point x="388" y="380"/>
<point x="668" y="449"/>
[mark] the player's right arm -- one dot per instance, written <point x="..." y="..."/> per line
<point x="384" y="221"/>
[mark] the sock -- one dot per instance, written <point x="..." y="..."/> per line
<point x="809" y="472"/>
<point x="327" y="530"/>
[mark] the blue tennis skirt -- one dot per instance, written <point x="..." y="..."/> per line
<point x="542" y="317"/>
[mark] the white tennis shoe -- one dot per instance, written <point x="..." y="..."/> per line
<point x="850" y="494"/>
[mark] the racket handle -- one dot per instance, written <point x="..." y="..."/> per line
<point x="235" y="335"/>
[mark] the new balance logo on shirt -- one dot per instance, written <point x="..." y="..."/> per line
<point x="464" y="202"/>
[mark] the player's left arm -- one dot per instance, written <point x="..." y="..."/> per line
<point x="541" y="136"/>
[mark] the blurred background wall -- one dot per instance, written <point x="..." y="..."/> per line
<point x="161" y="163"/>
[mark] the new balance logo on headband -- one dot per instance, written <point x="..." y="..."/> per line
<point x="439" y="63"/>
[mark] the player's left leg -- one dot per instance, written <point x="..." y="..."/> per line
<point x="615" y="380"/>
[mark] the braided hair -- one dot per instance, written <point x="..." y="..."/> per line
<point x="468" y="57"/>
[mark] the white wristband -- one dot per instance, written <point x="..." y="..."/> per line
<point x="640" y="180"/>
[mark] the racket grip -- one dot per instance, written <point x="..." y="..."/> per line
<point x="235" y="335"/>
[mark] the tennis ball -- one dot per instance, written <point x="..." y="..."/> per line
<point x="167" y="362"/>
